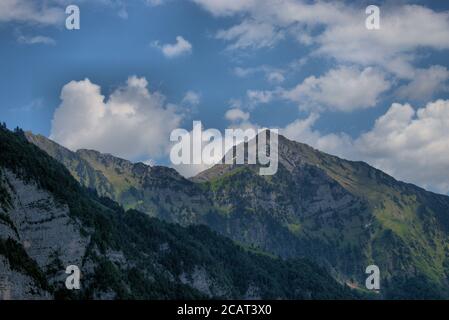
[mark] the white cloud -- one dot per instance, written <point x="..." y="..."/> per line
<point x="235" y="115"/>
<point x="33" y="12"/>
<point x="265" y="21"/>
<point x="404" y="29"/>
<point x="412" y="146"/>
<point x="342" y="89"/>
<point x="182" y="46"/>
<point x="337" y="30"/>
<point x="36" y="40"/>
<point x="425" y="83"/>
<point x="133" y="122"/>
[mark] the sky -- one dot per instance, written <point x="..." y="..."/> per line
<point x="138" y="69"/>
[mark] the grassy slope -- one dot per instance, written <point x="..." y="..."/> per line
<point x="397" y="206"/>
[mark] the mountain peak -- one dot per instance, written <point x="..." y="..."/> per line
<point x="290" y="154"/>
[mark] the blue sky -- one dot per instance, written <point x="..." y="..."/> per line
<point x="309" y="68"/>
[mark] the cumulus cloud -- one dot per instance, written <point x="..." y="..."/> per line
<point x="180" y="47"/>
<point x="341" y="89"/>
<point x="132" y="122"/>
<point x="412" y="146"/>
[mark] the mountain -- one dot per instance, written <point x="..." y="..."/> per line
<point x="342" y="214"/>
<point x="48" y="222"/>
<point x="156" y="190"/>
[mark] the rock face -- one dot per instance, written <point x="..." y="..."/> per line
<point x="345" y="215"/>
<point x="44" y="226"/>
<point x="18" y="286"/>
<point x="48" y="222"/>
<point x="46" y="231"/>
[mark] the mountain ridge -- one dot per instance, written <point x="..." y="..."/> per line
<point x="48" y="220"/>
<point x="342" y="214"/>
